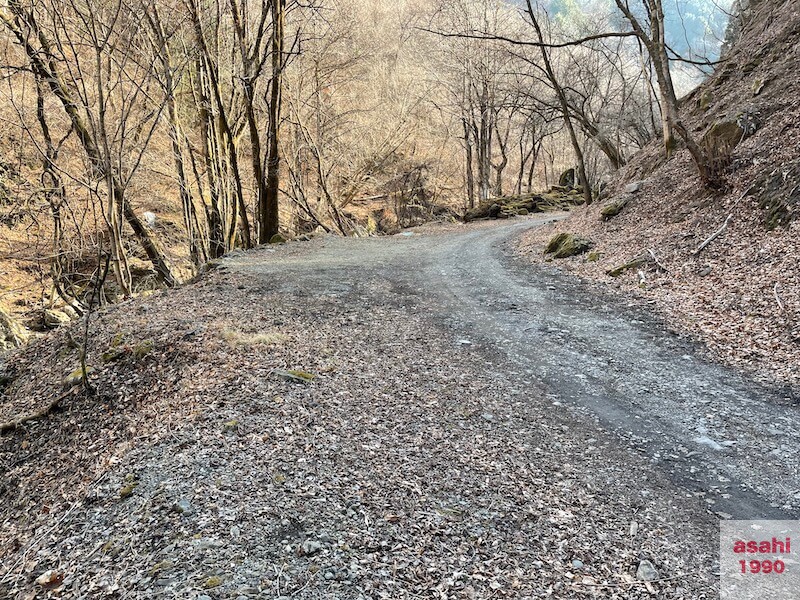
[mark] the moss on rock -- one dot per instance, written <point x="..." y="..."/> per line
<point x="611" y="210"/>
<point x="564" y="245"/>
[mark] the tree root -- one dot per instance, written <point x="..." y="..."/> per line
<point x="39" y="414"/>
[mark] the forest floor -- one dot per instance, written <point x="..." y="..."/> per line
<point x="476" y="427"/>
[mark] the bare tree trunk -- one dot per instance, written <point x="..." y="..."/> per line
<point x="269" y="213"/>
<point x="44" y="65"/>
<point x="470" y="175"/>
<point x="562" y="100"/>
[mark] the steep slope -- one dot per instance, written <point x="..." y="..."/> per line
<point x="740" y="294"/>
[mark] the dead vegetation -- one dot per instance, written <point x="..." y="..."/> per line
<point x="722" y="266"/>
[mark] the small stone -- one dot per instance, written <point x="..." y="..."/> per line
<point x="634" y="187"/>
<point x="184" y="507"/>
<point x="646" y="571"/>
<point x="310" y="547"/>
<point x="634" y="528"/>
<point x="578" y="564"/>
<point x="487" y="417"/>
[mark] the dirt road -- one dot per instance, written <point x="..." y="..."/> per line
<point x="477" y="428"/>
<point x="707" y="428"/>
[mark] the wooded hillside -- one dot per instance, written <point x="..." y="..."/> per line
<point x="144" y="139"/>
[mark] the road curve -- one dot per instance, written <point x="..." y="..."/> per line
<point x="713" y="432"/>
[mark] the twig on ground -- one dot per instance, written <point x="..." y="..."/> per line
<point x="714" y="236"/>
<point x="635" y="583"/>
<point x="658" y="263"/>
<point x="778" y="298"/>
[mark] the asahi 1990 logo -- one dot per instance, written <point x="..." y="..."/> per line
<point x="757" y="560"/>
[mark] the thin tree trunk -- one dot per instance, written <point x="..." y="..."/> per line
<point x="269" y="211"/>
<point x="562" y="100"/>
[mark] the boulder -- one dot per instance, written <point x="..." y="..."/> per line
<point x="609" y="211"/>
<point x="568" y="179"/>
<point x="277" y="239"/>
<point x="54" y="318"/>
<point x="12" y="334"/>
<point x="564" y="245"/>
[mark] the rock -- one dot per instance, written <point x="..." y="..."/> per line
<point x="142" y="349"/>
<point x="494" y="211"/>
<point x="310" y="547"/>
<point x="632" y="264"/>
<point x="609" y="211"/>
<point x="563" y="245"/>
<point x="778" y="194"/>
<point x="646" y="571"/>
<point x="294" y="375"/>
<point x="577" y="564"/>
<point x="128" y="489"/>
<point x="141" y="268"/>
<point x="277" y="239"/>
<point x="705" y="99"/>
<point x="487" y="417"/>
<point x="723" y="137"/>
<point x="568" y="178"/>
<point x="149" y="218"/>
<point x="54" y="318"/>
<point x="12" y="334"/>
<point x="183" y="507"/>
<point x="50" y="579"/>
<point x="634" y="187"/>
<point x="76" y="377"/>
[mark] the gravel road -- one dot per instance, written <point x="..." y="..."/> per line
<point x="478" y="427"/>
<point x="711" y="431"/>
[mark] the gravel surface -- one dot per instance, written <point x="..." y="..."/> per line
<point x="475" y="427"/>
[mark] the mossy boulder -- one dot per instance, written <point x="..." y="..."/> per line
<point x="76" y="377"/>
<point x="724" y="135"/>
<point x="12" y="334"/>
<point x="705" y="100"/>
<point x="568" y="179"/>
<point x="277" y="239"/>
<point x="611" y="210"/>
<point x="564" y="245"/>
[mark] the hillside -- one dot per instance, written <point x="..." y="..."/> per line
<point x="740" y="295"/>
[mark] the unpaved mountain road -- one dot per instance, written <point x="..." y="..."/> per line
<point x="477" y="428"/>
<point x="713" y="433"/>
